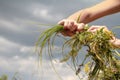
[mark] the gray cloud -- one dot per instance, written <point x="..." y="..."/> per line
<point x="43" y="11"/>
<point x="19" y="29"/>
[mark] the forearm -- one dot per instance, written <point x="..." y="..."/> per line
<point x="104" y="8"/>
<point x="75" y="16"/>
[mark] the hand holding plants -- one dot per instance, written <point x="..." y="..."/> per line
<point x="96" y="38"/>
<point x="71" y="27"/>
<point x="115" y="42"/>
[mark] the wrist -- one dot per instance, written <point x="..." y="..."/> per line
<point x="75" y="16"/>
<point x="83" y="16"/>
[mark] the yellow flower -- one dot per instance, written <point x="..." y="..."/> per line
<point x="87" y="67"/>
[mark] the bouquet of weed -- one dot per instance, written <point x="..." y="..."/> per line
<point x="104" y="63"/>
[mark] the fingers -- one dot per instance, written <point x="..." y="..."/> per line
<point x="80" y="27"/>
<point x="67" y="33"/>
<point x="68" y="24"/>
<point x="70" y="27"/>
<point x="95" y="28"/>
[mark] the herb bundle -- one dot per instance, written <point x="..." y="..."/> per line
<point x="103" y="63"/>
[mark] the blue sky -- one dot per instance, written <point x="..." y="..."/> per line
<point x="19" y="30"/>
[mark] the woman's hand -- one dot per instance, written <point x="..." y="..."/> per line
<point x="71" y="27"/>
<point x="114" y="41"/>
<point x="94" y="28"/>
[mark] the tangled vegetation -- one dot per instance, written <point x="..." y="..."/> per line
<point x="3" y="77"/>
<point x="104" y="63"/>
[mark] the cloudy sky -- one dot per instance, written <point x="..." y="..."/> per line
<point x="19" y="30"/>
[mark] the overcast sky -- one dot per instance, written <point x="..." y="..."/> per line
<point x="19" y="29"/>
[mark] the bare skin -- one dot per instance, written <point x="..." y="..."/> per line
<point x="104" y="8"/>
<point x="77" y="21"/>
<point x="115" y="42"/>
